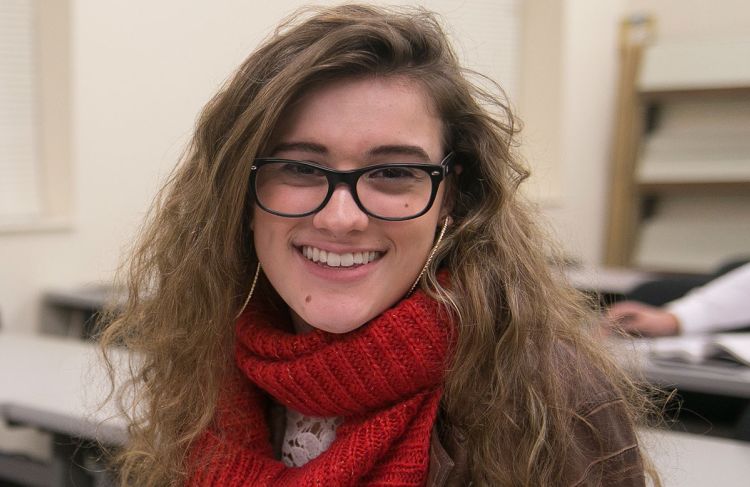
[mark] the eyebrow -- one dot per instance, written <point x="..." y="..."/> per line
<point x="300" y="146"/>
<point x="405" y="150"/>
<point x="381" y="150"/>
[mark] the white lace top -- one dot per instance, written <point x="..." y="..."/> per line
<point x="306" y="437"/>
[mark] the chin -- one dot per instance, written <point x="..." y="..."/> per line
<point x="342" y="320"/>
<point x="341" y="310"/>
<point x="339" y="328"/>
<point x="337" y="325"/>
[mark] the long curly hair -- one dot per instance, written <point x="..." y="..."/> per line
<point x="523" y="341"/>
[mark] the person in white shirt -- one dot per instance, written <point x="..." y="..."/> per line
<point x="722" y="304"/>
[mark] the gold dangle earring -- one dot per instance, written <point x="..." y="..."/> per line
<point x="432" y="254"/>
<point x="252" y="290"/>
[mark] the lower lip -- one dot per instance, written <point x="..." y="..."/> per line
<point x="342" y="274"/>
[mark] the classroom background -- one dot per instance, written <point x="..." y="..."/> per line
<point x="118" y="86"/>
<point x="102" y="96"/>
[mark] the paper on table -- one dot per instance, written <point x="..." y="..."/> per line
<point x="699" y="349"/>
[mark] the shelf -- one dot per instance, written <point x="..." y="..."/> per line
<point x="687" y="172"/>
<point x="680" y="192"/>
<point x="675" y="186"/>
<point x="697" y="143"/>
<point x="696" y="66"/>
<point x="694" y="232"/>
<point x="676" y="93"/>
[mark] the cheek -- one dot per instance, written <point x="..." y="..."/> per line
<point x="269" y="234"/>
<point x="424" y="237"/>
<point x="254" y="218"/>
<point x="416" y="240"/>
<point x="443" y="202"/>
<point x="255" y="225"/>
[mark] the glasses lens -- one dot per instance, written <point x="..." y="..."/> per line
<point x="395" y="192"/>
<point x="290" y="188"/>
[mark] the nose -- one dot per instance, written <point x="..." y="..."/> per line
<point x="341" y="215"/>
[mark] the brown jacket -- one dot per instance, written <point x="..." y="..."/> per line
<point x="608" y="451"/>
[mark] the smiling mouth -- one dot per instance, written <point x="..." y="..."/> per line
<point x="331" y="259"/>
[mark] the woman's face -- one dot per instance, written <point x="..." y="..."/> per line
<point x="350" y="124"/>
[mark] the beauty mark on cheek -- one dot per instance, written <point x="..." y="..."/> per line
<point x="308" y="298"/>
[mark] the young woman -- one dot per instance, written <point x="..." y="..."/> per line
<point x="340" y="285"/>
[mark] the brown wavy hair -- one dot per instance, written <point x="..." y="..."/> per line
<point x="523" y="344"/>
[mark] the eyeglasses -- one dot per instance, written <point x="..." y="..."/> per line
<point x="393" y="192"/>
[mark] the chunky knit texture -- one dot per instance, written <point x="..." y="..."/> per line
<point x="384" y="380"/>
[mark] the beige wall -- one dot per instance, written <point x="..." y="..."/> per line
<point x="587" y="51"/>
<point x="539" y="101"/>
<point x="701" y="19"/>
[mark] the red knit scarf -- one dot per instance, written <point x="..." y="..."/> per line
<point x="384" y="380"/>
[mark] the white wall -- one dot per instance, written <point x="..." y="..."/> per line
<point x="588" y="52"/>
<point x="696" y="19"/>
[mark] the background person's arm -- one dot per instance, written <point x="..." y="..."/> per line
<point x="643" y="319"/>
<point x="722" y="304"/>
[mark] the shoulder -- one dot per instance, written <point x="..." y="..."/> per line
<point x="448" y="465"/>
<point x="605" y="450"/>
<point x="605" y="447"/>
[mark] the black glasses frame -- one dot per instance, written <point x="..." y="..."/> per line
<point x="437" y="173"/>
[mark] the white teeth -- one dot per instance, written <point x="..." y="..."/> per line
<point x="338" y="260"/>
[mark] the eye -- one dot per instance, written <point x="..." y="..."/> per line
<point x="293" y="173"/>
<point x="394" y="173"/>
<point x="296" y="169"/>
